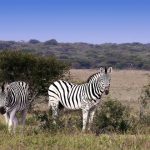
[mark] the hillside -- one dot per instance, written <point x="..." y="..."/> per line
<point x="84" y="55"/>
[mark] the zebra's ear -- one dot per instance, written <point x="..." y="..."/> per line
<point x="109" y="70"/>
<point x="102" y="70"/>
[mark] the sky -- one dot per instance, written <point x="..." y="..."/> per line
<point x="90" y="21"/>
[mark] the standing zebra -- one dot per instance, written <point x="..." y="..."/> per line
<point x="14" y="97"/>
<point x="85" y="96"/>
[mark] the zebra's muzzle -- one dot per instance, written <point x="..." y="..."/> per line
<point x="106" y="92"/>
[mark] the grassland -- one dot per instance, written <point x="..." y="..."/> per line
<point x="45" y="141"/>
<point x="126" y="86"/>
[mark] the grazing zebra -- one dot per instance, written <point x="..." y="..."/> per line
<point x="14" y="97"/>
<point x="85" y="96"/>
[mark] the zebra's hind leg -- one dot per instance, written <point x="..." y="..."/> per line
<point x="85" y="114"/>
<point x="54" y="106"/>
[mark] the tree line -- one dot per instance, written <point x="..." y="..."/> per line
<point x="83" y="55"/>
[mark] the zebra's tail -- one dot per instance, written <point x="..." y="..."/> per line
<point x="32" y="96"/>
<point x="60" y="106"/>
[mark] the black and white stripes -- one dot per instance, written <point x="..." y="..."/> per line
<point x="85" y="96"/>
<point x="15" y="98"/>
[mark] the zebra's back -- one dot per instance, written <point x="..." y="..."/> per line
<point x="60" y="91"/>
<point x="68" y="94"/>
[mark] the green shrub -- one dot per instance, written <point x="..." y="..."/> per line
<point x="45" y="122"/>
<point x="69" y="123"/>
<point x="145" y="105"/>
<point x="112" y="116"/>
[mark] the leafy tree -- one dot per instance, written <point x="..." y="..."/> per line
<point x="38" y="71"/>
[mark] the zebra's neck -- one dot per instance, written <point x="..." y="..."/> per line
<point x="94" y="77"/>
<point x="93" y="91"/>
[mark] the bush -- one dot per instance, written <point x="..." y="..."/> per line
<point x="145" y="105"/>
<point x="67" y="122"/>
<point x="45" y="122"/>
<point x="113" y="116"/>
<point x="38" y="71"/>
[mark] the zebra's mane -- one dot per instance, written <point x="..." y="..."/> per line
<point x="92" y="76"/>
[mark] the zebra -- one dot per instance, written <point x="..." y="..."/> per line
<point x="85" y="96"/>
<point x="14" y="97"/>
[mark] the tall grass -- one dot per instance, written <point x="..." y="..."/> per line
<point x="79" y="141"/>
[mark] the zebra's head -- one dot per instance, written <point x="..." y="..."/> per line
<point x="105" y="79"/>
<point x="3" y="95"/>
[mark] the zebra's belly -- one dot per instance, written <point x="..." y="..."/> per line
<point x="71" y="104"/>
<point x="90" y="104"/>
<point x="17" y="107"/>
<point x="73" y="108"/>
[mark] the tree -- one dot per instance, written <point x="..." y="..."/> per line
<point x="51" y="42"/>
<point x="38" y="71"/>
<point x="34" y="41"/>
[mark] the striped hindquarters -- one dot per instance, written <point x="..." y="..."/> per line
<point x="60" y="91"/>
<point x="17" y="96"/>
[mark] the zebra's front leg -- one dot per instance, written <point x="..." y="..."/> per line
<point x="23" y="119"/>
<point x="85" y="114"/>
<point x="15" y="123"/>
<point x="11" y="119"/>
<point x="91" y="116"/>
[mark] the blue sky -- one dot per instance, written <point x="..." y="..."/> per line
<point x="92" y="21"/>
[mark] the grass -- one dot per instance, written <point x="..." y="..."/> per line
<point x="78" y="141"/>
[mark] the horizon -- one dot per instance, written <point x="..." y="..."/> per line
<point x="27" y="41"/>
<point x="76" y="21"/>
